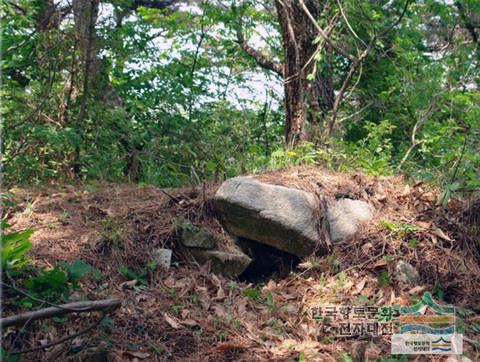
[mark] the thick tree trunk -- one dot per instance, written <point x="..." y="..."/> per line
<point x="304" y="100"/>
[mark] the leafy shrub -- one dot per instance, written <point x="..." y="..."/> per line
<point x="373" y="154"/>
<point x="14" y="247"/>
<point x="40" y="284"/>
<point x="304" y="154"/>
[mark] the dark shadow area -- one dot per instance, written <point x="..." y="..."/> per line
<point x="268" y="262"/>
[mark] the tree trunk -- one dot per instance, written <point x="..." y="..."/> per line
<point x="85" y="14"/>
<point x="304" y="100"/>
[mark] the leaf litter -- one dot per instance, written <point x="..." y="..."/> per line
<point x="189" y="314"/>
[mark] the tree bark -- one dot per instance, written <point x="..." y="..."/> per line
<point x="305" y="100"/>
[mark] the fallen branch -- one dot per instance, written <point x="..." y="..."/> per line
<point x="62" y="340"/>
<point x="173" y="198"/>
<point x="77" y="307"/>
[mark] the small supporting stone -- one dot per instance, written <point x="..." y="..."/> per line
<point x="195" y="237"/>
<point x="228" y="264"/>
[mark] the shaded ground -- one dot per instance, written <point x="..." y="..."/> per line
<point x="189" y="314"/>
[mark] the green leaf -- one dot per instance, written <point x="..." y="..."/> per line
<point x="76" y="270"/>
<point x="97" y="275"/>
<point x="14" y="247"/>
<point x="251" y="293"/>
<point x="152" y="265"/>
<point x="384" y="278"/>
<point x="50" y="284"/>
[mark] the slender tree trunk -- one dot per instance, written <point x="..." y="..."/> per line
<point x="85" y="15"/>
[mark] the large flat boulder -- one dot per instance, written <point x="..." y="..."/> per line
<point x="278" y="216"/>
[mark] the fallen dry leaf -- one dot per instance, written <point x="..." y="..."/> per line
<point x="378" y="263"/>
<point x="423" y="225"/>
<point x="304" y="265"/>
<point x="189" y="322"/>
<point x="137" y="354"/>
<point x="381" y="197"/>
<point x="203" y="297"/>
<point x="171" y="321"/>
<point x="417" y="289"/>
<point x="392" y="297"/>
<point x="406" y="191"/>
<point x="169" y="282"/>
<point x="220" y="310"/>
<point x="220" y="293"/>
<point x="242" y="306"/>
<point x="271" y="285"/>
<point x="428" y="197"/>
<point x="359" y="287"/>
<point x="348" y="285"/>
<point x="438" y="232"/>
<point x="129" y="284"/>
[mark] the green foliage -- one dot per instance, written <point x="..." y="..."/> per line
<point x="181" y="106"/>
<point x="49" y="284"/>
<point x="305" y="153"/>
<point x="342" y="276"/>
<point x="53" y="284"/>
<point x="14" y="247"/>
<point x="334" y="263"/>
<point x="251" y="293"/>
<point x="346" y="357"/>
<point x="413" y="242"/>
<point x="76" y="270"/>
<point x="372" y="154"/>
<point x="438" y="291"/>
<point x="141" y="275"/>
<point x="398" y="228"/>
<point x="5" y="356"/>
<point x="383" y="278"/>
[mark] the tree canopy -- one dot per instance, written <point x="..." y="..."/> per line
<point x="172" y="92"/>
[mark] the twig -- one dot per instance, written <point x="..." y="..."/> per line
<point x="22" y="328"/>
<point x="396" y="22"/>
<point x="261" y="59"/>
<point x="78" y="307"/>
<point x="366" y="262"/>
<point x="194" y="65"/>
<point x="414" y="142"/>
<point x="173" y="198"/>
<point x="341" y="93"/>
<point x="320" y="47"/>
<point x="348" y="23"/>
<point x="459" y="161"/>
<point x="354" y="114"/>
<point x="356" y="61"/>
<point x="324" y="35"/>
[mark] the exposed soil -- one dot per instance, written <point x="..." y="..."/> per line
<point x="189" y="314"/>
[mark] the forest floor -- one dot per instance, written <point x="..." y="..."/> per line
<point x="187" y="313"/>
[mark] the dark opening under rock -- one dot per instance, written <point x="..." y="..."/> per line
<point x="268" y="262"/>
